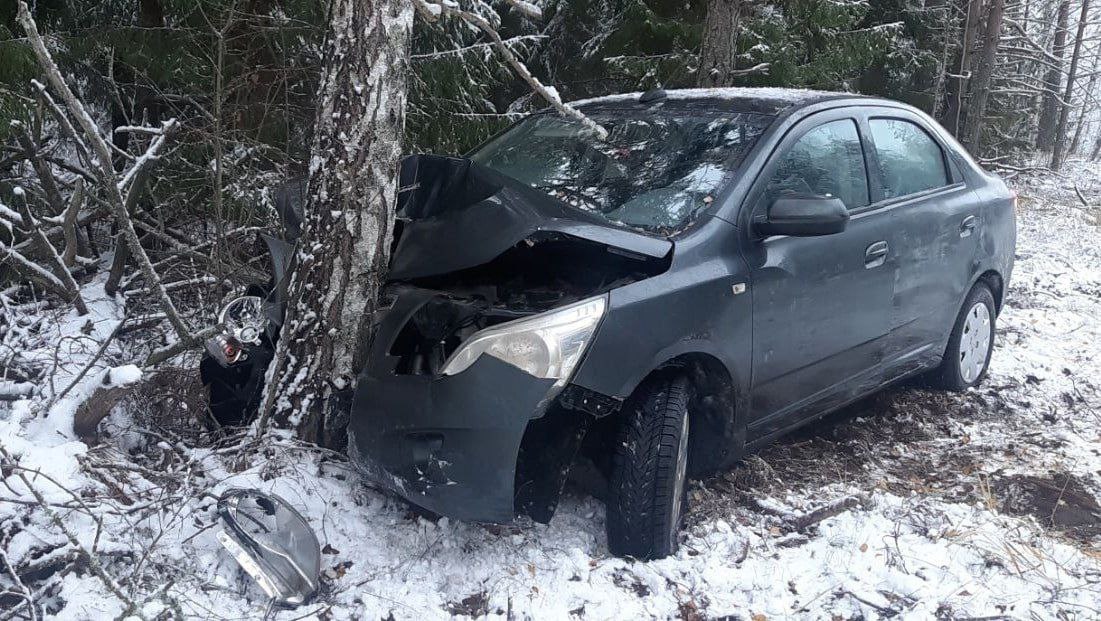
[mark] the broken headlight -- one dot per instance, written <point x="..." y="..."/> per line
<point x="244" y="319"/>
<point x="272" y="542"/>
<point x="548" y="345"/>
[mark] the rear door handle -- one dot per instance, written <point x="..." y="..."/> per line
<point x="968" y="226"/>
<point x="875" y="255"/>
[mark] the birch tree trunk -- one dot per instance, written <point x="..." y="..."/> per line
<point x="1053" y="80"/>
<point x="1060" y="151"/>
<point x="343" y="252"/>
<point x="719" y="48"/>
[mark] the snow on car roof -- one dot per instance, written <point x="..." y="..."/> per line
<point x="772" y="99"/>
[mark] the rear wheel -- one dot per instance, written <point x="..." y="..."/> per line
<point x="968" y="353"/>
<point x="647" y="490"/>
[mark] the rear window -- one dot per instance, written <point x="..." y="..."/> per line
<point x="909" y="159"/>
<point x="656" y="171"/>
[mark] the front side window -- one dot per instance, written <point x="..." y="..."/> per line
<point x="827" y="161"/>
<point x="656" y="171"/>
<point x="910" y="161"/>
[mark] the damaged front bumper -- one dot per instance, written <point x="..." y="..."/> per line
<point x="447" y="443"/>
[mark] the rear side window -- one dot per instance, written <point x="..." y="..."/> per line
<point x="827" y="161"/>
<point x="910" y="161"/>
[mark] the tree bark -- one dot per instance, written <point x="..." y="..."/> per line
<point x="980" y="85"/>
<point x="1060" y="151"/>
<point x="971" y="26"/>
<point x="1053" y="80"/>
<point x="718" y="51"/>
<point x="343" y="252"/>
<point x="1080" y="126"/>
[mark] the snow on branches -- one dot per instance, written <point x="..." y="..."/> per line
<point x="486" y="19"/>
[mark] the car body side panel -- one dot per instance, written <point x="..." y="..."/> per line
<point x="820" y="320"/>
<point x="936" y="255"/>
<point x="937" y="267"/>
<point x="992" y="255"/>
<point x="820" y="308"/>
<point x="997" y="229"/>
<point x="997" y="244"/>
<point x="692" y="308"/>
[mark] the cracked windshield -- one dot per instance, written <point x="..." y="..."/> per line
<point x="656" y="171"/>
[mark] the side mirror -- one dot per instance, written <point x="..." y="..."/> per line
<point x="273" y="543"/>
<point x="804" y="216"/>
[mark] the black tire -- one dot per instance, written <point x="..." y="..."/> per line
<point x="648" y="488"/>
<point x="953" y="374"/>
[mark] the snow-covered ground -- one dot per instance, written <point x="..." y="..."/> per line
<point x="913" y="503"/>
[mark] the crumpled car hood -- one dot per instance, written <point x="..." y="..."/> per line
<point x="455" y="214"/>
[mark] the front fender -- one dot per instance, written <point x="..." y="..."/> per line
<point x="655" y="320"/>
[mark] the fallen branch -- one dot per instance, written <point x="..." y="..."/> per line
<point x="23" y="592"/>
<point x="96" y="408"/>
<point x="165" y="353"/>
<point x="14" y="391"/>
<point x="806" y="520"/>
<point x="120" y="204"/>
<point x="1082" y="198"/>
<point x="183" y="252"/>
<point x="32" y="271"/>
<point x="41" y="168"/>
<point x="68" y="283"/>
<point x="63" y="121"/>
<point x="93" y="564"/>
<point x="91" y="363"/>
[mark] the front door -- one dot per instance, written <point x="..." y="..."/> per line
<point x="821" y="305"/>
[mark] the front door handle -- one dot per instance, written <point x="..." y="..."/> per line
<point x="875" y="255"/>
<point x="968" y="226"/>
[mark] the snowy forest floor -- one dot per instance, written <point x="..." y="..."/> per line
<point x="910" y="504"/>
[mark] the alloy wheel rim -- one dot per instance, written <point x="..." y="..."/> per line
<point x="975" y="342"/>
<point x="680" y="475"/>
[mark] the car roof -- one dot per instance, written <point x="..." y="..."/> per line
<point x="761" y="100"/>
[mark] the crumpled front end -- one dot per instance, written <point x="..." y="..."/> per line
<point x="495" y="297"/>
<point x="447" y="443"/>
<point x="450" y="444"/>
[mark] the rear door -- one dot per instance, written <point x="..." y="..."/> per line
<point x="936" y="220"/>
<point x="821" y="305"/>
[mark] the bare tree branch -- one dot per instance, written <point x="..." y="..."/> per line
<point x="93" y="563"/>
<point x="431" y="10"/>
<point x="114" y="187"/>
<point x="69" y="287"/>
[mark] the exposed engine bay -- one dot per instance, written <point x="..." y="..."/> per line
<point x="542" y="272"/>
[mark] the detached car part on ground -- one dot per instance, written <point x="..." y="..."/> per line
<point x="273" y="543"/>
<point x="726" y="266"/>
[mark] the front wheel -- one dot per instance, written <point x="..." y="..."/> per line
<point x="647" y="491"/>
<point x="968" y="353"/>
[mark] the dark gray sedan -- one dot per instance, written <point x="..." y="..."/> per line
<point x="725" y="266"/>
